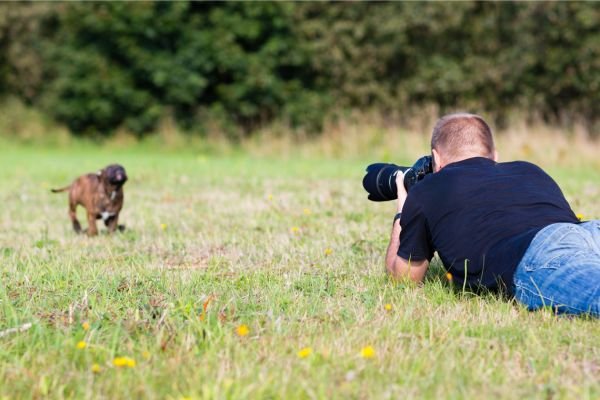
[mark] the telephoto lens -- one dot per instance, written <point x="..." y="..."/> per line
<point x="380" y="180"/>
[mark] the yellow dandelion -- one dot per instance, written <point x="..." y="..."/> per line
<point x="146" y="354"/>
<point x="163" y="226"/>
<point x="295" y="229"/>
<point x="328" y="251"/>
<point x="579" y="216"/>
<point x="448" y="276"/>
<point x="124" y="362"/>
<point x="96" y="368"/>
<point x="81" y="345"/>
<point x="242" y="330"/>
<point x="119" y="362"/>
<point x="270" y="197"/>
<point x="307" y="211"/>
<point x="367" y="352"/>
<point x="85" y="326"/>
<point x="305" y="352"/>
<point x="388" y="307"/>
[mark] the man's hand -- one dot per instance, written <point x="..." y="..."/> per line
<point x="401" y="190"/>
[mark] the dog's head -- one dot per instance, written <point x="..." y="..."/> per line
<point x="114" y="174"/>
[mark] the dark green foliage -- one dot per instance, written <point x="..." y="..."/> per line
<point x="21" y="65"/>
<point x="494" y="57"/>
<point x="131" y="63"/>
<point x="101" y="66"/>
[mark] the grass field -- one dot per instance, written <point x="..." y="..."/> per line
<point x="247" y="276"/>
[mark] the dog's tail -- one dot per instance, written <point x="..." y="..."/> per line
<point x="60" y="189"/>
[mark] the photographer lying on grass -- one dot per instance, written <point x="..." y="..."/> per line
<point x="500" y="226"/>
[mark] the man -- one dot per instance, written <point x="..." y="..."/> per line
<point x="499" y="226"/>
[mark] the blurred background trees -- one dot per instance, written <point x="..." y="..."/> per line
<point x="98" y="67"/>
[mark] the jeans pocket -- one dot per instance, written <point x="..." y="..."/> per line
<point x="563" y="246"/>
<point x="557" y="262"/>
<point x="553" y="263"/>
<point x="561" y="261"/>
<point x="530" y="267"/>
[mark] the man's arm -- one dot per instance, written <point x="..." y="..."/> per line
<point x="399" y="268"/>
<point x="396" y="266"/>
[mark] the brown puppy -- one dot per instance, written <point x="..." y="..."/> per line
<point x="102" y="196"/>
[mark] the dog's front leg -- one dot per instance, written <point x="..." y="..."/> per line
<point x="112" y="223"/>
<point x="92" y="229"/>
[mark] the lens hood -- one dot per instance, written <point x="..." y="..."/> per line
<point x="380" y="181"/>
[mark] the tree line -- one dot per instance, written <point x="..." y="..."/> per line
<point x="97" y="67"/>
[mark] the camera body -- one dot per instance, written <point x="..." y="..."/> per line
<point x="380" y="180"/>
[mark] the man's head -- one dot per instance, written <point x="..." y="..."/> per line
<point x="460" y="136"/>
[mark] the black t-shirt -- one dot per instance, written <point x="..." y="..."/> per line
<point x="480" y="216"/>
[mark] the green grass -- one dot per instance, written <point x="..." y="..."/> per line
<point x="253" y="234"/>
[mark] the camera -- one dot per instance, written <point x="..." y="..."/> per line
<point x="380" y="180"/>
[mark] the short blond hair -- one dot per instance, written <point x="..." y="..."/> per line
<point x="458" y="134"/>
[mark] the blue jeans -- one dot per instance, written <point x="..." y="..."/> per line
<point x="561" y="269"/>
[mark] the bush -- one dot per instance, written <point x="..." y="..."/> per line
<point x="127" y="63"/>
<point x="100" y="66"/>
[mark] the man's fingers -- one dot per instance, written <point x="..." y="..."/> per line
<point x="400" y="178"/>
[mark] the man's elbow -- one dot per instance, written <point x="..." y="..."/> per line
<point x="416" y="275"/>
<point x="397" y="269"/>
<point x="401" y="269"/>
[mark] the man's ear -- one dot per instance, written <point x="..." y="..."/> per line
<point x="437" y="160"/>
